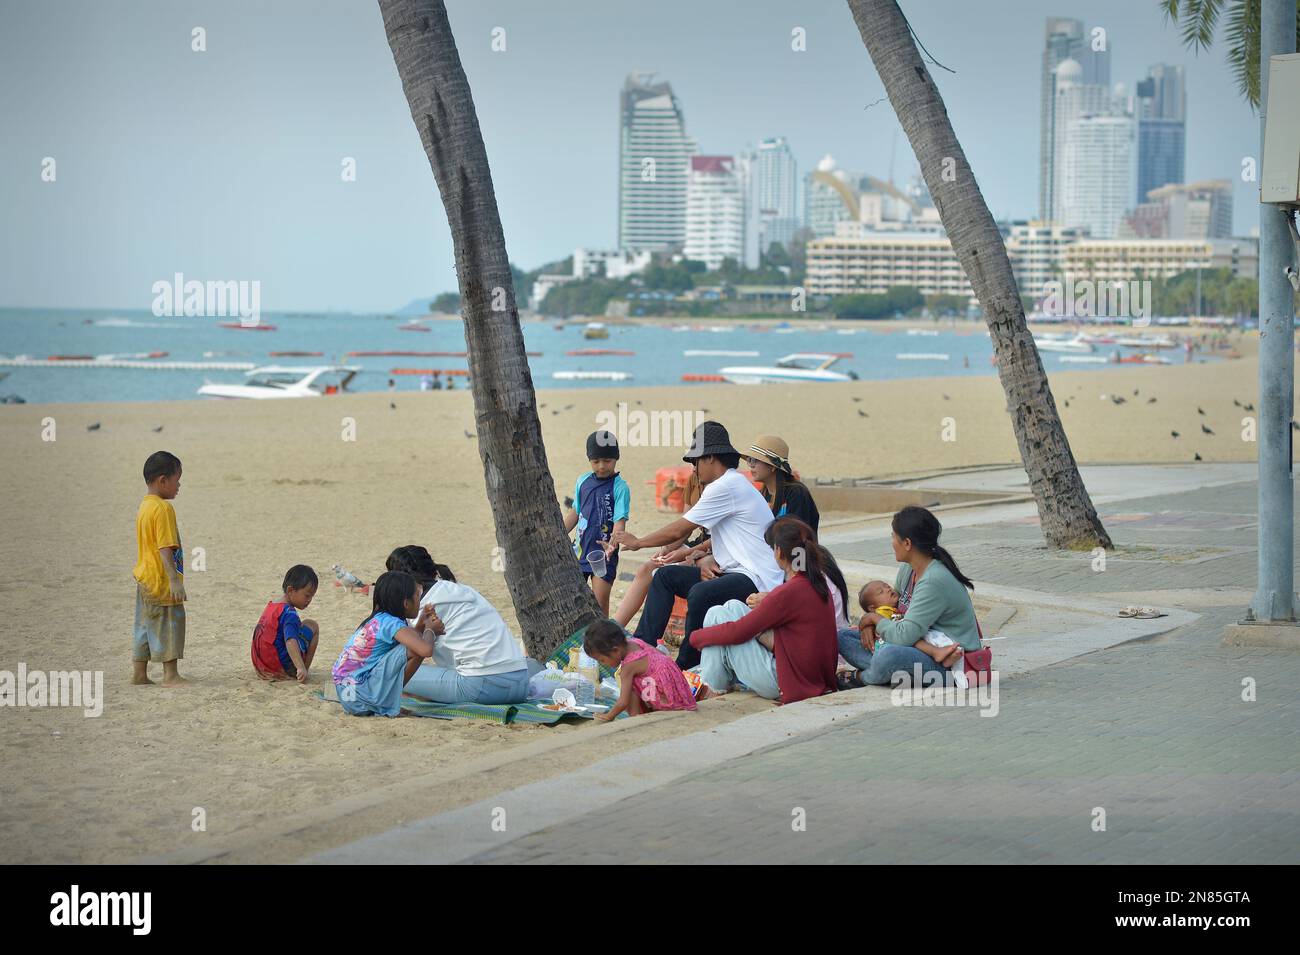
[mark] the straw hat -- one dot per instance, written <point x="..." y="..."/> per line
<point x="774" y="451"/>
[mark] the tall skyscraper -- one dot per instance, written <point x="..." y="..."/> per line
<point x="720" y="212"/>
<point x="1097" y="169"/>
<point x="1064" y="39"/>
<point x="1094" y="154"/>
<point x="653" y="163"/>
<point x="1160" y="105"/>
<point x="775" y="183"/>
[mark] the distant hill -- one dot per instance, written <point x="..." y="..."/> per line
<point x="416" y="306"/>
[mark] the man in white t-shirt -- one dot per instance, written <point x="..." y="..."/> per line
<point x="735" y="515"/>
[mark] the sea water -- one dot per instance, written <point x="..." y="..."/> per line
<point x="658" y="358"/>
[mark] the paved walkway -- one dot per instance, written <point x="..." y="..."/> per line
<point x="1145" y="752"/>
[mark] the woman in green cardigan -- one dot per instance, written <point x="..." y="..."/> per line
<point x="932" y="596"/>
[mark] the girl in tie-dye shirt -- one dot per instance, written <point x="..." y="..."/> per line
<point x="384" y="651"/>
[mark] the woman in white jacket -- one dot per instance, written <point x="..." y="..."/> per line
<point x="476" y="658"/>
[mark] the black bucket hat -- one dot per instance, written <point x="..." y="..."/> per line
<point x="710" y="438"/>
<point x="602" y="444"/>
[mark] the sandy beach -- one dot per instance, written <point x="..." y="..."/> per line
<point x="270" y="484"/>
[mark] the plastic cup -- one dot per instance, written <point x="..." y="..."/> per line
<point x="596" y="560"/>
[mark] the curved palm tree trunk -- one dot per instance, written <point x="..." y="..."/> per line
<point x="1067" y="515"/>
<point x="550" y="597"/>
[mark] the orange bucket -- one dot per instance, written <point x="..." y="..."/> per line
<point x="670" y="488"/>
<point x="675" y="632"/>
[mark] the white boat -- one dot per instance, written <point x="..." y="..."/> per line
<point x="801" y="366"/>
<point x="927" y="332"/>
<point x="921" y="356"/>
<point x="1075" y="345"/>
<point x="595" y="330"/>
<point x="591" y="375"/>
<point x="1138" y="341"/>
<point x="280" y="381"/>
<point x="708" y="353"/>
<point x="1084" y="359"/>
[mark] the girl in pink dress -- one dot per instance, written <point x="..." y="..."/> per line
<point x="648" y="680"/>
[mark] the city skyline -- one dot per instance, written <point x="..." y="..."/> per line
<point x="166" y="186"/>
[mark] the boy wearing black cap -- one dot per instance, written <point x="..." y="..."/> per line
<point x="601" y="501"/>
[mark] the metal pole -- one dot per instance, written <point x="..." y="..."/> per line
<point x="1274" y="597"/>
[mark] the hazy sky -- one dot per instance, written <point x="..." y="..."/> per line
<point x="226" y="164"/>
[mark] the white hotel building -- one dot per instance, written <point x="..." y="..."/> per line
<point x="721" y="218"/>
<point x="1039" y="252"/>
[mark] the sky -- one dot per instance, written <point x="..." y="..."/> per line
<point x="226" y="164"/>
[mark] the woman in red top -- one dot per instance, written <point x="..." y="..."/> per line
<point x="799" y="612"/>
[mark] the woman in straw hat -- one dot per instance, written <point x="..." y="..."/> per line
<point x="769" y="461"/>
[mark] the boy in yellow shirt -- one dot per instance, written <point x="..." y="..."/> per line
<point x="160" y="575"/>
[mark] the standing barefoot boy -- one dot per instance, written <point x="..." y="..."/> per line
<point x="159" y="574"/>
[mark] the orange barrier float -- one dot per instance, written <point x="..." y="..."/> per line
<point x="421" y="354"/>
<point x="703" y="378"/>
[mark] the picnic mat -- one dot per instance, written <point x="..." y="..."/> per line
<point x="561" y="655"/>
<point x="504" y="713"/>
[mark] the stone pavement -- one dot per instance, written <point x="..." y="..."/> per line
<point x="1154" y="734"/>
<point x="1144" y="752"/>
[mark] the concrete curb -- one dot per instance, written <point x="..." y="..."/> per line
<point x="461" y="834"/>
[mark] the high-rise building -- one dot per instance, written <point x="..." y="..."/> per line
<point x="1094" y="154"/>
<point x="1160" y="105"/>
<point x="653" y="164"/>
<point x="720" y="221"/>
<point x="1197" y="210"/>
<point x="775" y="187"/>
<point x="1064" y="39"/>
<point x="829" y="195"/>
<point x="1097" y="173"/>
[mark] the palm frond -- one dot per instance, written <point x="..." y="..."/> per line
<point x="1242" y="35"/>
<point x="1196" y="19"/>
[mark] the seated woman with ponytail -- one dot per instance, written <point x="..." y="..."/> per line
<point x="932" y="596"/>
<point x="799" y="612"/>
<point x="476" y="658"/>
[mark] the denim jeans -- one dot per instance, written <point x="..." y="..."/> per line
<point x="445" y="685"/>
<point x="679" y="580"/>
<point x="749" y="663"/>
<point x="879" y="668"/>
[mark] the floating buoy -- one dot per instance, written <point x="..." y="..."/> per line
<point x="421" y="354"/>
<point x="430" y="372"/>
<point x="703" y="378"/>
<point x="600" y="351"/>
<point x="296" y="354"/>
<point x="240" y="326"/>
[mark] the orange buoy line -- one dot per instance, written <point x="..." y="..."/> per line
<point x="429" y="371"/>
<point x="703" y="378"/>
<point x="600" y="351"/>
<point x="421" y="354"/>
<point x="248" y="328"/>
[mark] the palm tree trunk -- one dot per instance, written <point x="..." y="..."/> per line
<point x="551" y="600"/>
<point x="1067" y="515"/>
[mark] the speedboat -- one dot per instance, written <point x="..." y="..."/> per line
<point x="1075" y="345"/>
<point x="279" y="381"/>
<point x="595" y="330"/>
<point x="800" y="366"/>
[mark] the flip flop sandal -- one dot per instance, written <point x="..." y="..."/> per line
<point x="849" y="680"/>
